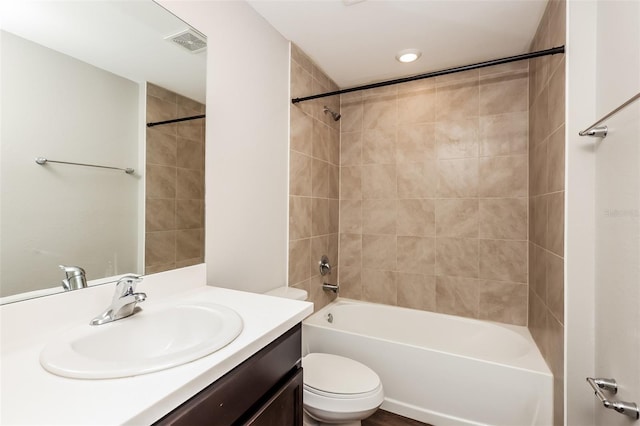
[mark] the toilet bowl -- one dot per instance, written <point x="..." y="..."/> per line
<point x="337" y="391"/>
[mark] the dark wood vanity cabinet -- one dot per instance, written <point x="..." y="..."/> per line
<point x="265" y="390"/>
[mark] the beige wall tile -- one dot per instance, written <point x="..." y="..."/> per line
<point x="416" y="291"/>
<point x="538" y="207"/>
<point x="301" y="58"/>
<point x="538" y="323"/>
<point x="351" y="149"/>
<point x="189" y="262"/>
<point x="334" y="182"/>
<point x="556" y="98"/>
<point x="415" y="143"/>
<point x="319" y="216"/>
<point x="334" y="217"/>
<point x="161" y="93"/>
<point x="160" y="110"/>
<point x="504" y="93"/>
<point x="538" y="182"/>
<point x="352" y="113"/>
<point x="457" y="296"/>
<point x="457" y="257"/>
<point x="301" y="129"/>
<point x="417" y="180"/>
<point x="161" y="182"/>
<point x="160" y="248"/>
<point x="299" y="254"/>
<point x="504" y="134"/>
<point x="319" y="248"/>
<point x="379" y="252"/>
<point x="503" y="176"/>
<point x="555" y="223"/>
<point x="555" y="285"/>
<point x="379" y="146"/>
<point x="334" y="146"/>
<point x="539" y="119"/>
<point x="301" y="82"/>
<point x="503" y="218"/>
<point x="350" y="283"/>
<point x="189" y="214"/>
<point x="504" y="68"/>
<point x="351" y="216"/>
<point x="379" y="216"/>
<point x="350" y="251"/>
<point x="503" y="302"/>
<point x="161" y="148"/>
<point x="503" y="260"/>
<point x="458" y="100"/>
<point x="379" y="286"/>
<point x="332" y="250"/>
<point x="161" y="215"/>
<point x="379" y="181"/>
<point x="416" y="255"/>
<point x="458" y="178"/>
<point x="416" y="218"/>
<point x="319" y="178"/>
<point x="457" y="139"/>
<point x="417" y="106"/>
<point x="555" y="160"/>
<point x="189" y="129"/>
<point x="351" y="183"/>
<point x="300" y="174"/>
<point x="457" y="218"/>
<point x="319" y="296"/>
<point x="538" y="271"/>
<point x="190" y="154"/>
<point x="380" y="111"/>
<point x="321" y="141"/>
<point x="190" y="184"/>
<point x="189" y="244"/>
<point x="299" y="217"/>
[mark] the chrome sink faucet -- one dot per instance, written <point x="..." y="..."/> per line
<point x="124" y="301"/>
<point x="76" y="277"/>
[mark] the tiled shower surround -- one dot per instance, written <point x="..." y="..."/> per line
<point x="174" y="230"/>
<point x="546" y="197"/>
<point x="434" y="194"/>
<point x="313" y="180"/>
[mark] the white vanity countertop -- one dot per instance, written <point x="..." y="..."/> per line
<point x="31" y="395"/>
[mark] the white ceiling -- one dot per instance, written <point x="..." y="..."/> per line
<point x="356" y="44"/>
<point x="123" y="37"/>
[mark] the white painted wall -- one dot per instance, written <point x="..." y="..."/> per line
<point x="247" y="144"/>
<point x="60" y="214"/>
<point x="602" y="250"/>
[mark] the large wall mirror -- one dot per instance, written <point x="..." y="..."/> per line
<point x="80" y="80"/>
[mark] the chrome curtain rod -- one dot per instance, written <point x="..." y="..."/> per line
<point x="175" y="120"/>
<point x="42" y="161"/>
<point x="552" y="51"/>
<point x="596" y="131"/>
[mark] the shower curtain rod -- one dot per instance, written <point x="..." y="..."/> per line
<point x="552" y="51"/>
<point x="175" y="120"/>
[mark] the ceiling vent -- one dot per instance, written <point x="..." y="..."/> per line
<point x="190" y="39"/>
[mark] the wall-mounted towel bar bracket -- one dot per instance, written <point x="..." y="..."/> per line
<point x="598" y="131"/>
<point x="42" y="161"/>
<point x="627" y="408"/>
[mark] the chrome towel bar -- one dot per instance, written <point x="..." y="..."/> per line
<point x="601" y="132"/>
<point x="42" y="161"/>
<point x="627" y="408"/>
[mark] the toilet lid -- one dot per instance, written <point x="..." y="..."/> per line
<point x="337" y="374"/>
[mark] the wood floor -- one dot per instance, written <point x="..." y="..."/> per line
<point x="385" y="418"/>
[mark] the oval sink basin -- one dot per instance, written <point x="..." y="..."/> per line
<point x="151" y="340"/>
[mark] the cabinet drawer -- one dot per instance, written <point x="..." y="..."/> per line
<point x="244" y="388"/>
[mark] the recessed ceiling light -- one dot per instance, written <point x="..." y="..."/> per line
<point x="408" y="55"/>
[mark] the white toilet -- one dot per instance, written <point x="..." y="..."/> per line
<point x="337" y="390"/>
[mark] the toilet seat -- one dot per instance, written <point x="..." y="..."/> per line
<point x="338" y="385"/>
<point x="337" y="376"/>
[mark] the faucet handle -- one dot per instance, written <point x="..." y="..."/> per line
<point x="127" y="285"/>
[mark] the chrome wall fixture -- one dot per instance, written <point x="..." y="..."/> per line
<point x="42" y="161"/>
<point x="627" y="408"/>
<point x="598" y="131"/>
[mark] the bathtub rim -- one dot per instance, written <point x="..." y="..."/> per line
<point x="522" y="331"/>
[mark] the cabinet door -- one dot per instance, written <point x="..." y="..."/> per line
<point x="284" y="408"/>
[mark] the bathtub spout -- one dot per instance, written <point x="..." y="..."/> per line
<point x="331" y="287"/>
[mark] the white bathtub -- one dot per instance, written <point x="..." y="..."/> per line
<point x="439" y="369"/>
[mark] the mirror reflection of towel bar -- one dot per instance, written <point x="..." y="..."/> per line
<point x="42" y="161"/>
